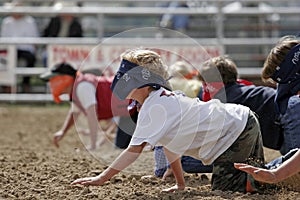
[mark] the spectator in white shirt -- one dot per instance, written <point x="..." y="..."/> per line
<point x="18" y="25"/>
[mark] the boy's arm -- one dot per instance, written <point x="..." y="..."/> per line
<point x="68" y="123"/>
<point x="175" y="162"/>
<point x="93" y="125"/>
<point x="127" y="157"/>
<point x="287" y="169"/>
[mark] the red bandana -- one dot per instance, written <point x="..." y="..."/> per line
<point x="211" y="89"/>
<point x="244" y="82"/>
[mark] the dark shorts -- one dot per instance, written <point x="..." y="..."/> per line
<point x="248" y="148"/>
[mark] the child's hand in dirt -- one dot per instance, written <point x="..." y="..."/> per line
<point x="95" y="181"/>
<point x="174" y="188"/>
<point x="91" y="147"/>
<point x="258" y="174"/>
<point x="57" y="137"/>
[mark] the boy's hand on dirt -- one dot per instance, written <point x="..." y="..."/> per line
<point x="258" y="174"/>
<point x="174" y="188"/>
<point x="95" y="181"/>
<point x="57" y="137"/>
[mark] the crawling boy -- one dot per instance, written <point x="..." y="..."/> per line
<point x="210" y="131"/>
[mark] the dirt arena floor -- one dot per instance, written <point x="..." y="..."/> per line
<point x="32" y="168"/>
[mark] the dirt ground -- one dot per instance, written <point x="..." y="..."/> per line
<point x="32" y="168"/>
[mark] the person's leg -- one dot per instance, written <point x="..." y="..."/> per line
<point x="122" y="139"/>
<point x="29" y="59"/>
<point x="124" y="132"/>
<point x="291" y="123"/>
<point x="161" y="162"/>
<point x="45" y="58"/>
<point x="248" y="148"/>
<point x="192" y="165"/>
<point x="278" y="161"/>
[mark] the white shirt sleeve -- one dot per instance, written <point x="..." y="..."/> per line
<point x="151" y="125"/>
<point x="158" y="118"/>
<point x="86" y="93"/>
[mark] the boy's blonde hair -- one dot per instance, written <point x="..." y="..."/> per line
<point x="148" y="59"/>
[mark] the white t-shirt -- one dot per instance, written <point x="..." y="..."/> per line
<point x="86" y="93"/>
<point x="186" y="126"/>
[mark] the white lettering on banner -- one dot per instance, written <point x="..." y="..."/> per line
<point x="84" y="56"/>
<point x="108" y="56"/>
<point x="70" y="53"/>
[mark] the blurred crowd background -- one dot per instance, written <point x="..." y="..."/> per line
<point x="245" y="30"/>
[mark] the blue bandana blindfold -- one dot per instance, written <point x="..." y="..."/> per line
<point x="287" y="75"/>
<point x="132" y="76"/>
<point x="288" y="71"/>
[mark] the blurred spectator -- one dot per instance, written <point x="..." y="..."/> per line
<point x="176" y="22"/>
<point x="18" y="25"/>
<point x="64" y="25"/>
<point x="92" y="24"/>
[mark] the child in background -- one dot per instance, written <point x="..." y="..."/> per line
<point x="185" y="79"/>
<point x="24" y="26"/>
<point x="89" y="94"/>
<point x="282" y="66"/>
<point x="228" y="88"/>
<point x="210" y="131"/>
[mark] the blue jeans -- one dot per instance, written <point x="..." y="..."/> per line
<point x="161" y="162"/>
<point x="192" y="165"/>
<point x="278" y="161"/>
<point x="291" y="124"/>
<point x="180" y="22"/>
<point x="189" y="164"/>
